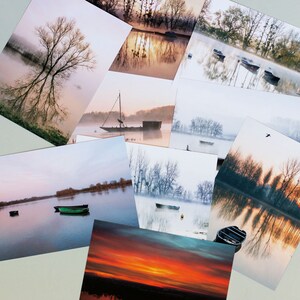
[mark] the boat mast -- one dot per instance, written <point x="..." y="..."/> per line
<point x="120" y="109"/>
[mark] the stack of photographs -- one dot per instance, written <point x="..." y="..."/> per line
<point x="182" y="123"/>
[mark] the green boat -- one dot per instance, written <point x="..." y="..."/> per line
<point x="73" y="211"/>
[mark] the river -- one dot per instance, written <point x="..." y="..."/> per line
<point x="203" y="65"/>
<point x="149" y="137"/>
<point x="190" y="220"/>
<point x="150" y="54"/>
<point x="38" y="229"/>
<point x="272" y="237"/>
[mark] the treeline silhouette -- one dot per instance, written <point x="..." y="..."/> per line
<point x="166" y="14"/>
<point x="200" y="126"/>
<point x="128" y="290"/>
<point x="253" y="31"/>
<point x="98" y="187"/>
<point x="163" y="113"/>
<point x="161" y="180"/>
<point x="281" y="190"/>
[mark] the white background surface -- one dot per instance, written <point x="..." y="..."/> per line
<point x="59" y="276"/>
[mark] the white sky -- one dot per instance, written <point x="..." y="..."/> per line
<point x="137" y="92"/>
<point x="272" y="151"/>
<point x="224" y="4"/>
<point x="231" y="105"/>
<point x="104" y="32"/>
<point x="43" y="172"/>
<point x="193" y="167"/>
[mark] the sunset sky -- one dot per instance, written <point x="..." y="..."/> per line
<point x="43" y="172"/>
<point x="142" y="256"/>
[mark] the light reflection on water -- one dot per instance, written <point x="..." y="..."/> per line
<point x="39" y="230"/>
<point x="150" y="54"/>
<point x="272" y="237"/>
<point x="206" y="67"/>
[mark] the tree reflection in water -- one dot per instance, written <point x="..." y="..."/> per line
<point x="147" y="51"/>
<point x="265" y="226"/>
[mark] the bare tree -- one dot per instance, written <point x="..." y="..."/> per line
<point x="173" y="10"/>
<point x="64" y="50"/>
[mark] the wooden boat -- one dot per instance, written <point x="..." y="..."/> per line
<point x="270" y="77"/>
<point x="14" y="213"/>
<point x="171" y="34"/>
<point x="231" y="235"/>
<point x="206" y="142"/>
<point x="165" y="206"/>
<point x="249" y="65"/>
<point x="219" y="55"/>
<point x="73" y="211"/>
<point x="146" y="125"/>
<point x="70" y="206"/>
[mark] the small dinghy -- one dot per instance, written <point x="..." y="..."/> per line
<point x="14" y="213"/>
<point x="231" y="235"/>
<point x="165" y="206"/>
<point x="73" y="211"/>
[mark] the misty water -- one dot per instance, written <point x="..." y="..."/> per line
<point x="193" y="224"/>
<point x="206" y="67"/>
<point x="195" y="143"/>
<point x="151" y="137"/>
<point x="272" y="236"/>
<point x="150" y="54"/>
<point x="38" y="229"/>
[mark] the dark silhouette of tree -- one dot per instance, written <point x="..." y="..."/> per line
<point x="107" y="5"/>
<point x="173" y="11"/>
<point x="204" y="192"/>
<point x="64" y="50"/>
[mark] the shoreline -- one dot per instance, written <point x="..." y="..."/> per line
<point x="68" y="193"/>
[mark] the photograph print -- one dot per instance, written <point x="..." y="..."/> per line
<point x="139" y="108"/>
<point x="160" y="33"/>
<point x="127" y="263"/>
<point x="237" y="46"/>
<point x="53" y="64"/>
<point x="257" y="189"/>
<point x="50" y="197"/>
<point x="172" y="188"/>
<point x="207" y="119"/>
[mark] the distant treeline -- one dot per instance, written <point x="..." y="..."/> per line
<point x="253" y="31"/>
<point x="165" y="14"/>
<point x="161" y="180"/>
<point x="17" y="44"/>
<point x="99" y="187"/>
<point x="163" y="113"/>
<point x="281" y="191"/>
<point x="200" y="126"/>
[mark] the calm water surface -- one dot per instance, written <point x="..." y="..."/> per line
<point x="193" y="224"/>
<point x="150" y="137"/>
<point x="272" y="237"/>
<point x="150" y="54"/>
<point x="204" y="66"/>
<point x="39" y="230"/>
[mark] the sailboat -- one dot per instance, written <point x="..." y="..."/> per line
<point x="146" y="125"/>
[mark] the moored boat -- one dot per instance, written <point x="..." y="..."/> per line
<point x="249" y="65"/>
<point x="73" y="211"/>
<point x="70" y="206"/>
<point x="14" y="213"/>
<point x="165" y="206"/>
<point x="270" y="77"/>
<point x="206" y="142"/>
<point x="231" y="235"/>
<point x="146" y="125"/>
<point x="219" y="54"/>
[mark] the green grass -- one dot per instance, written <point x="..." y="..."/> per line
<point x="54" y="136"/>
